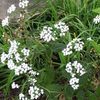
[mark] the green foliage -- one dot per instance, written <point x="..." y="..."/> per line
<point x="47" y="58"/>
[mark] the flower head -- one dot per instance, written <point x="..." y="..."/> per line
<point x="47" y="34"/>
<point x="96" y="20"/>
<point x="5" y="22"/>
<point x="11" y="9"/>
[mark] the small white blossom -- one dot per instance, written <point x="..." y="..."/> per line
<point x="11" y="9"/>
<point x="35" y="92"/>
<point x="11" y="64"/>
<point x="22" y="97"/>
<point x="32" y="81"/>
<point x="17" y="57"/>
<point x="75" y="44"/>
<point x="78" y="45"/>
<point x="79" y="68"/>
<point x="22" y="69"/>
<point x="47" y="34"/>
<point x="5" y="22"/>
<point x="68" y="49"/>
<point x="96" y="20"/>
<point x="69" y="67"/>
<point x="74" y="82"/>
<point x="14" y="85"/>
<point x="62" y="27"/>
<point x="23" y="3"/>
<point x="13" y="48"/>
<point x="25" y="52"/>
<point x="4" y="56"/>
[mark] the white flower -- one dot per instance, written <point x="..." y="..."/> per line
<point x="78" y="45"/>
<point x="4" y="56"/>
<point x="11" y="64"/>
<point x="23" y="3"/>
<point x="22" y="97"/>
<point x="32" y="81"/>
<point x="69" y="67"/>
<point x="13" y="48"/>
<point x="25" y="52"/>
<point x="96" y="20"/>
<point x="62" y="27"/>
<point x="74" y="69"/>
<point x="11" y="9"/>
<point x="68" y="49"/>
<point x="75" y="44"/>
<point x="35" y="92"/>
<point x="47" y="34"/>
<point x="14" y="85"/>
<point x="5" y="22"/>
<point x="17" y="57"/>
<point x="74" y="82"/>
<point x="22" y="69"/>
<point x="79" y="68"/>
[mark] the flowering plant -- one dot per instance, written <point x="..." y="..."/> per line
<point x="51" y="55"/>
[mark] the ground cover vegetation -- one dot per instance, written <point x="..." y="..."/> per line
<point x="51" y="51"/>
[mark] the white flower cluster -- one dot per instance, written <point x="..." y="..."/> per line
<point x="48" y="34"/>
<point x="14" y="85"/>
<point x="22" y="97"/>
<point x="74" y="82"/>
<point x="22" y="69"/>
<point x="62" y="27"/>
<point x="5" y="22"/>
<point x="75" y="69"/>
<point x="13" y="57"/>
<point x="96" y="20"/>
<point x="18" y="64"/>
<point x="11" y="9"/>
<point x="35" y="92"/>
<point x="25" y="51"/>
<point x="75" y="44"/>
<point x="23" y="3"/>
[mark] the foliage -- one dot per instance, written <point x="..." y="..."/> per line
<point x="47" y="57"/>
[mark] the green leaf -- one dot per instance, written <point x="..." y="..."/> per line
<point x="9" y="81"/>
<point x="81" y="95"/>
<point x="47" y="76"/>
<point x="97" y="92"/>
<point x="68" y="92"/>
<point x="54" y="88"/>
<point x="96" y="46"/>
<point x="62" y="58"/>
<point x="97" y="10"/>
<point x="91" y="96"/>
<point x="57" y="47"/>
